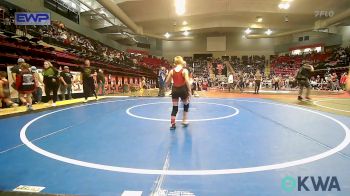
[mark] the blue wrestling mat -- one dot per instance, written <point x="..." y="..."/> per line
<point x="123" y="146"/>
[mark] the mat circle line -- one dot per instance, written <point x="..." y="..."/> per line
<point x="323" y="100"/>
<point x="282" y="165"/>
<point x="128" y="111"/>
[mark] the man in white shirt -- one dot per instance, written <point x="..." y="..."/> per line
<point x="230" y="82"/>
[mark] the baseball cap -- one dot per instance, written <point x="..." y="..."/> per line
<point x="33" y="68"/>
<point x="20" y="60"/>
<point x="65" y="67"/>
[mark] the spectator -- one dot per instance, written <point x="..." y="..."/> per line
<point x="142" y="86"/>
<point x="257" y="78"/>
<point x="335" y="82"/>
<point x="241" y="81"/>
<point x="230" y="82"/>
<point x="343" y="80"/>
<point x="66" y="83"/>
<point x="348" y="83"/>
<point x="161" y="79"/>
<point x="5" y="91"/>
<point x="26" y="84"/>
<point x="313" y="83"/>
<point x="276" y="82"/>
<point x="51" y="82"/>
<point x="15" y="70"/>
<point x="37" y="94"/>
<point x="88" y="73"/>
<point x="318" y="82"/>
<point x="101" y="82"/>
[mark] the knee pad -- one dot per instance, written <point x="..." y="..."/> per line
<point x="175" y="110"/>
<point x="186" y="107"/>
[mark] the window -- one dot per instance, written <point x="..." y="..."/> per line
<point x="296" y="52"/>
<point x="62" y="9"/>
<point x="307" y="50"/>
<point x="318" y="49"/>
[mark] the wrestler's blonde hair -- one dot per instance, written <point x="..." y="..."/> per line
<point x="178" y="60"/>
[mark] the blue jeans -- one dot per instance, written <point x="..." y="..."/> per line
<point x="66" y="89"/>
<point x="37" y="94"/>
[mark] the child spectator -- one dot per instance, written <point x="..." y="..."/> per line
<point x="5" y="91"/>
<point x="37" y="94"/>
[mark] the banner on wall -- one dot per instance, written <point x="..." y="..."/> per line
<point x="33" y="18"/>
<point x="77" y="86"/>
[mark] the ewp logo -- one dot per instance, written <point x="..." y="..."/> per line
<point x="27" y="18"/>
<point x="330" y="183"/>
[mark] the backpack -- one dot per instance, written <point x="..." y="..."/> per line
<point x="26" y="81"/>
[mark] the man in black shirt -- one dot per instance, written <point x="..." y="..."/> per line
<point x="66" y="83"/>
<point x="241" y="79"/>
<point x="161" y="81"/>
<point x="15" y="70"/>
<point x="303" y="77"/>
<point x="88" y="74"/>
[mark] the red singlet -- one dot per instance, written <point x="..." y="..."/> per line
<point x="178" y="78"/>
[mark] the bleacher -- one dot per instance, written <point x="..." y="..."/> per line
<point x="289" y="64"/>
<point x="35" y="54"/>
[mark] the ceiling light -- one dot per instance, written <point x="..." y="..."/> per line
<point x="248" y="31"/>
<point x="184" y="23"/>
<point x="268" y="32"/>
<point x="180" y="7"/>
<point x="186" y="33"/>
<point x="259" y="19"/>
<point x="255" y="26"/>
<point x="167" y="35"/>
<point x="284" y="5"/>
<point x="186" y="28"/>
